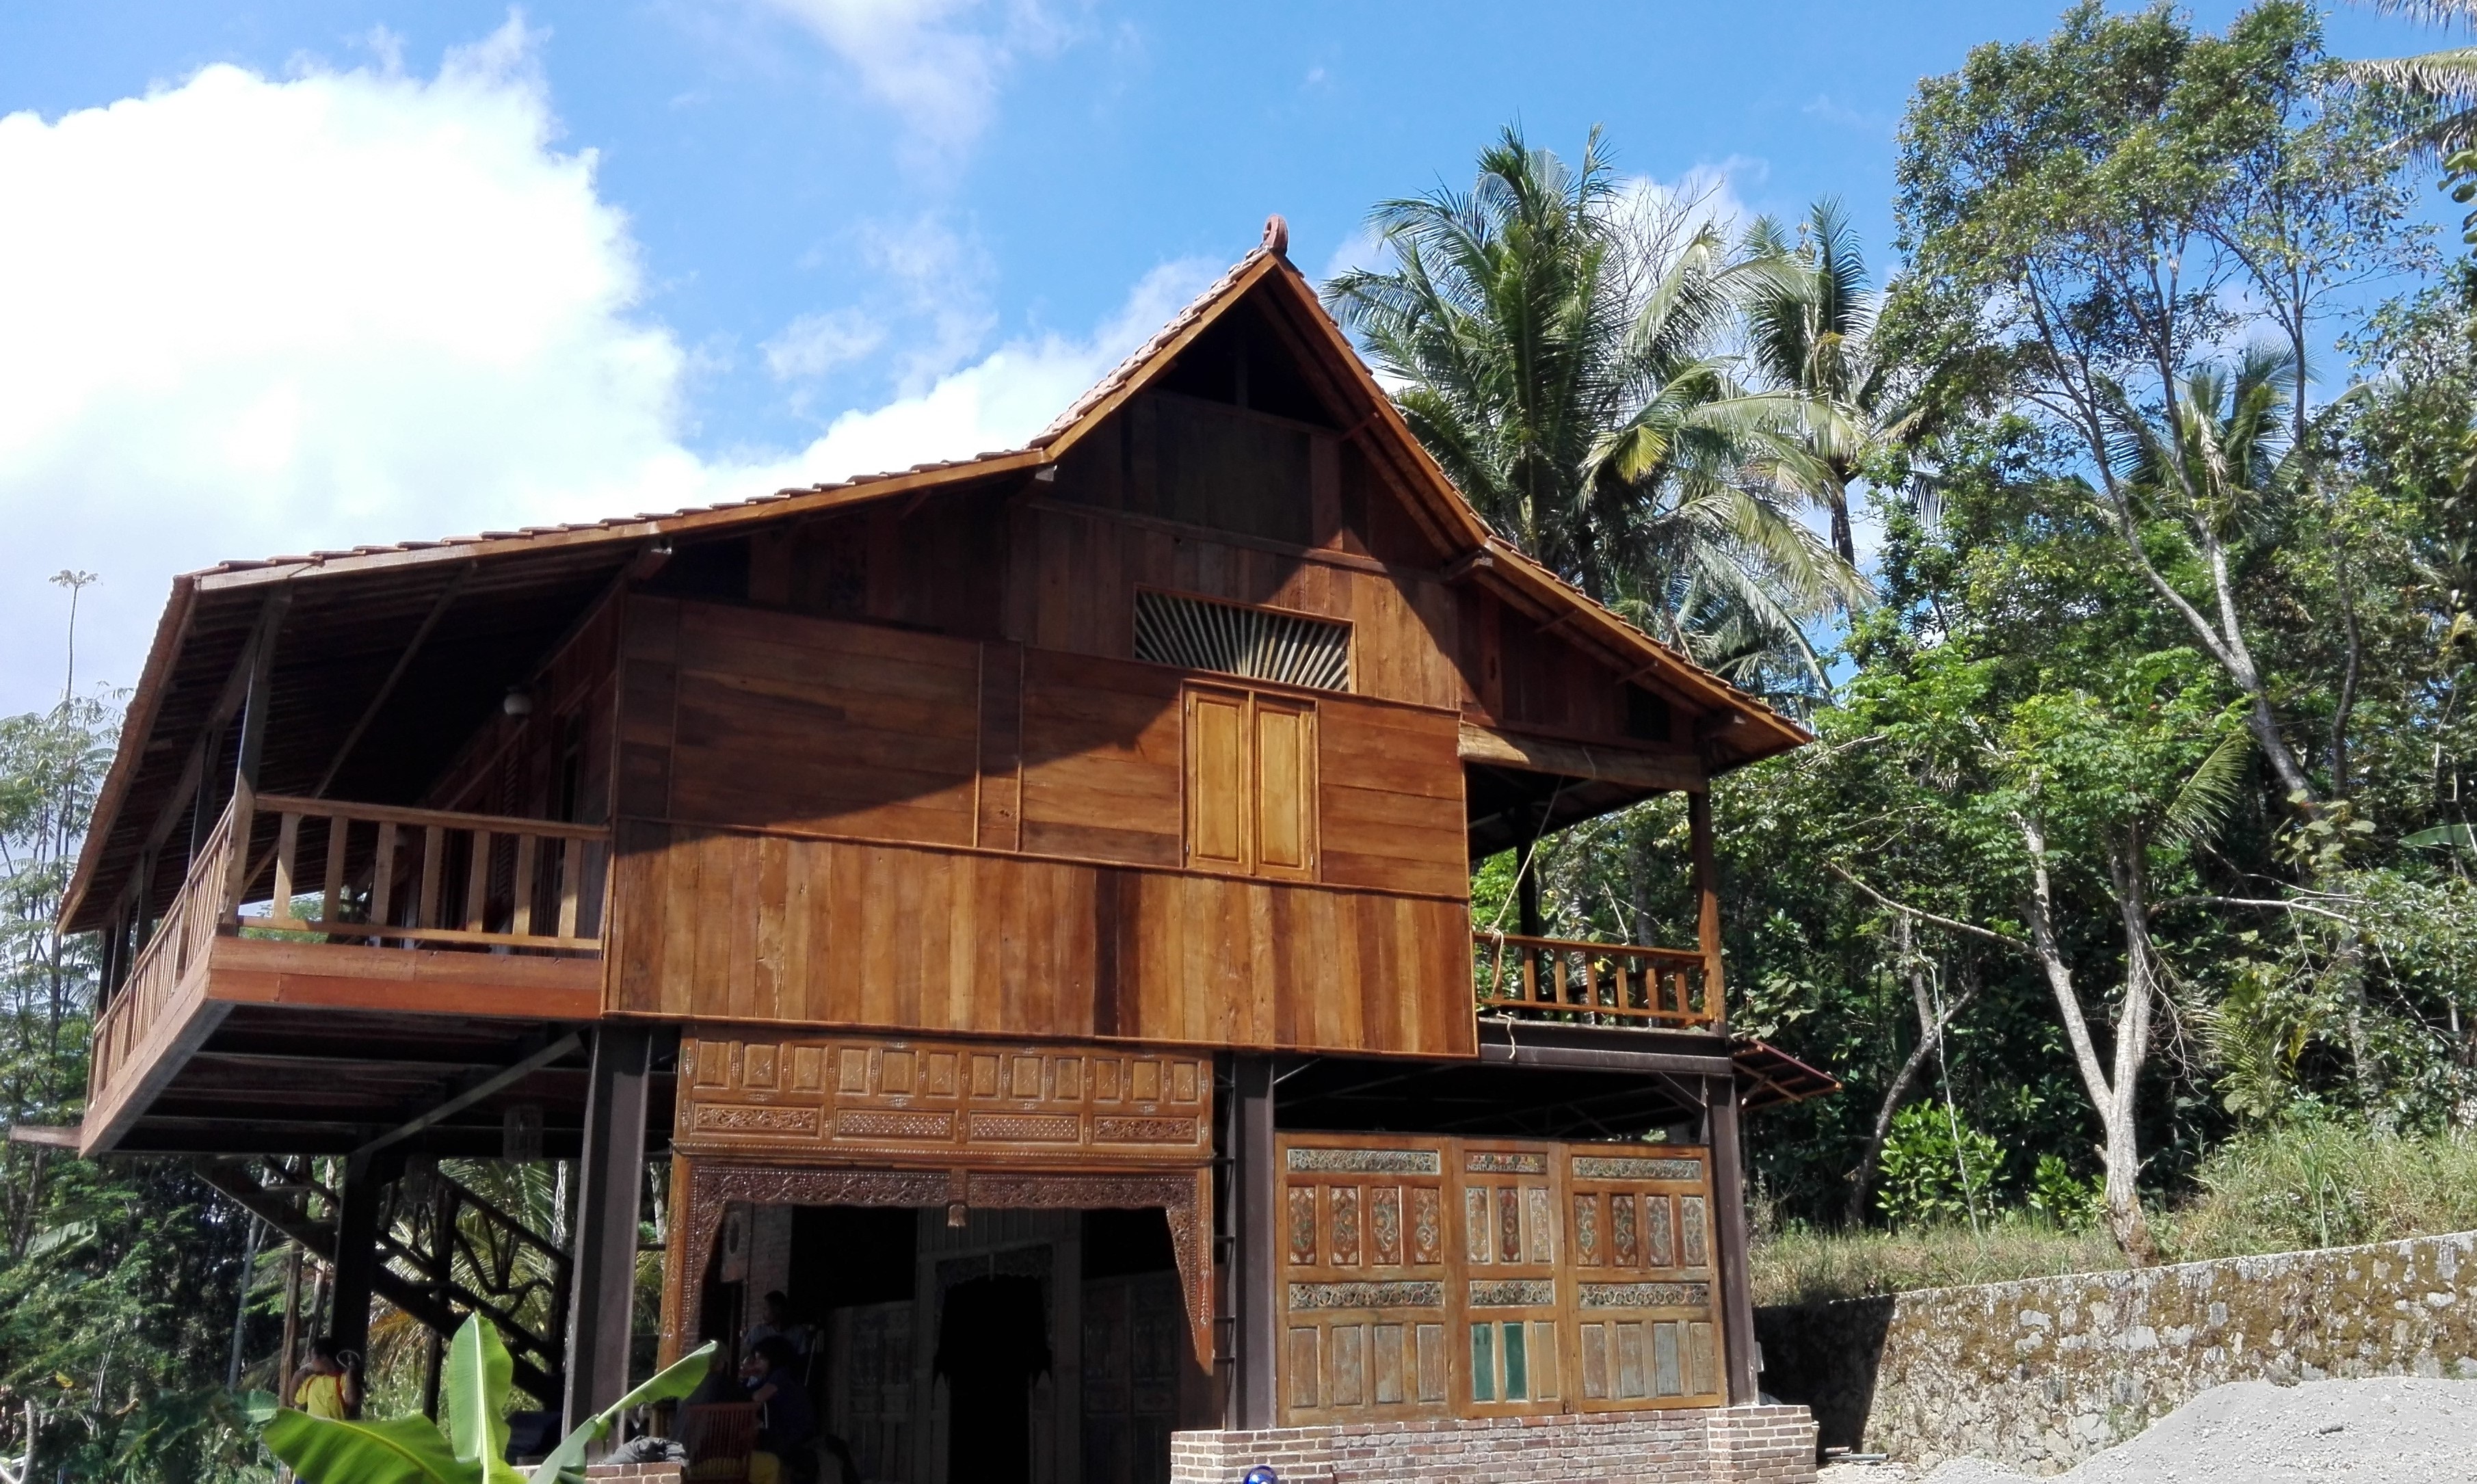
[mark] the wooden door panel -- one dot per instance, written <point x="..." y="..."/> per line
<point x="1513" y="1311"/>
<point x="1429" y="1276"/>
<point x="1645" y="1290"/>
<point x="1367" y="1271"/>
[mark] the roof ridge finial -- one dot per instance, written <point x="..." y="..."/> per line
<point x="1277" y="235"/>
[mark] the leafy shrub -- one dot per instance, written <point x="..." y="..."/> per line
<point x="1929" y="1176"/>
<point x="2061" y="1198"/>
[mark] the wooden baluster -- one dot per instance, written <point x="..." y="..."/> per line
<point x="288" y="841"/>
<point x="477" y="883"/>
<point x="383" y="877"/>
<point x="523" y="923"/>
<point x="339" y="838"/>
<point x="1530" y="972"/>
<point x="1557" y="957"/>
<point x="434" y="860"/>
<point x="1590" y="979"/>
<point x="571" y="884"/>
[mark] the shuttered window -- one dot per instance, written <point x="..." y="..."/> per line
<point x="1250" y="783"/>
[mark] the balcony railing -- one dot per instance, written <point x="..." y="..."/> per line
<point x="368" y="875"/>
<point x="423" y="877"/>
<point x="1592" y="983"/>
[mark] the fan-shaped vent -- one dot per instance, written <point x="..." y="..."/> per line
<point x="1251" y="642"/>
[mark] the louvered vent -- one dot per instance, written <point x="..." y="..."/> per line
<point x="1192" y="634"/>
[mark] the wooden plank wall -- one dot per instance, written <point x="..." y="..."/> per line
<point x="777" y="928"/>
<point x="836" y="824"/>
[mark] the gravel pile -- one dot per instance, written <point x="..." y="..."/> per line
<point x="2388" y="1430"/>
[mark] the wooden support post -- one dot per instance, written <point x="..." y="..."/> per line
<point x="1706" y="904"/>
<point x="260" y="697"/>
<point x="1254" y="1275"/>
<point x="1526" y="894"/>
<point x="1729" y="1210"/>
<point x="357" y="1251"/>
<point x="611" y="1177"/>
<point x="291" y="1352"/>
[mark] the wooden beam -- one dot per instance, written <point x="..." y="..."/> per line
<point x="193" y="771"/>
<point x="260" y="693"/>
<point x="387" y="688"/>
<point x="414" y="1299"/>
<point x="473" y="1091"/>
<point x="1660" y="773"/>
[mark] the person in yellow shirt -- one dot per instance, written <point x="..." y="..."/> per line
<point x="327" y="1388"/>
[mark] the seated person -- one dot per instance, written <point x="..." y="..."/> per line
<point x="778" y="1323"/>
<point x="786" y="1430"/>
<point x="327" y="1388"/>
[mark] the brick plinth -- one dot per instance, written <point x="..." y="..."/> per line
<point x="637" y="1473"/>
<point x="1700" y="1445"/>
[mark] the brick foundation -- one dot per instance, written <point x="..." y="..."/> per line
<point x="1698" y="1446"/>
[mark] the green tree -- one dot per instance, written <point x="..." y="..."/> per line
<point x="1560" y="346"/>
<point x="1815" y="337"/>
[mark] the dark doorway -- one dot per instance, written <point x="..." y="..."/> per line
<point x="992" y="1341"/>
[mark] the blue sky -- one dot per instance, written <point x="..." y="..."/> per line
<point x="368" y="271"/>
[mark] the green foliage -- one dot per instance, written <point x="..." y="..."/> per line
<point x="2322" y="1183"/>
<point x="1563" y="351"/>
<point x="2061" y="1198"/>
<point x="1930" y="1175"/>
<point x="470" y="1445"/>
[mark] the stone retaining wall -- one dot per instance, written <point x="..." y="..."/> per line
<point x="1690" y="1445"/>
<point x="2044" y="1372"/>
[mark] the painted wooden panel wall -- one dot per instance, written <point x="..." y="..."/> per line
<point x="770" y="928"/>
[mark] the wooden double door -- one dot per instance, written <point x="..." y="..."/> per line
<point x="1450" y="1278"/>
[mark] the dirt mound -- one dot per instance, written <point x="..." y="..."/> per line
<point x="2388" y="1430"/>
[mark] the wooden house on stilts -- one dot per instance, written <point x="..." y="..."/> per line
<point x="1018" y="908"/>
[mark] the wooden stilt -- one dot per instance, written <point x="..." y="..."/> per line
<point x="610" y="1179"/>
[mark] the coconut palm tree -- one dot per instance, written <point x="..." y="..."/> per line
<point x="2448" y="77"/>
<point x="1558" y="343"/>
<point x="1814" y="333"/>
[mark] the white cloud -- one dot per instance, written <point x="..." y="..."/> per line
<point x="937" y="63"/>
<point x="1008" y="397"/>
<point x="815" y="344"/>
<point x="243" y="317"/>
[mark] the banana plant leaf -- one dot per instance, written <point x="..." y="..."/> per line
<point x="405" y="1450"/>
<point x="472" y="1447"/>
<point x="674" y="1381"/>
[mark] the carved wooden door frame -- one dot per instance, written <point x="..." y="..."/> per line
<point x="702" y="1185"/>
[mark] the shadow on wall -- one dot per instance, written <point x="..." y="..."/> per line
<point x="1825" y="1357"/>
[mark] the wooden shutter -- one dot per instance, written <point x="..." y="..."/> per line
<point x="1250" y="783"/>
<point x="1217" y="814"/>
<point x="1284" y="787"/>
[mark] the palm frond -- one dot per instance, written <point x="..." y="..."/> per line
<point x="2209" y="794"/>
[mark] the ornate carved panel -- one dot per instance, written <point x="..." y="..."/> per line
<point x="860" y="1098"/>
<point x="1432" y="1276"/>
